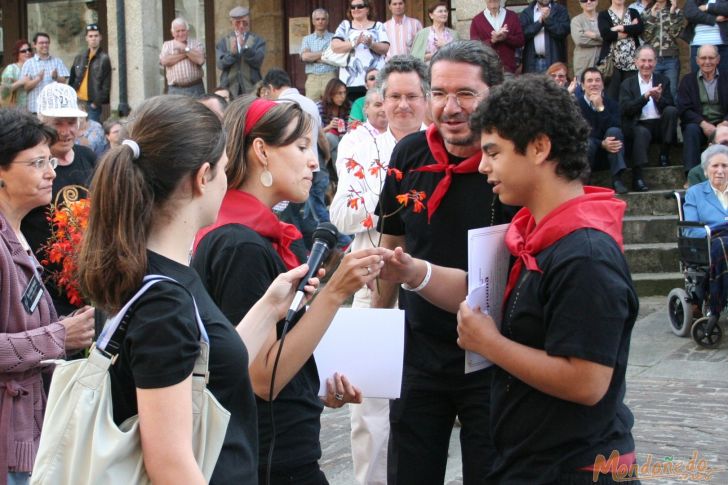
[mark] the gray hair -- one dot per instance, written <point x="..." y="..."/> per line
<point x="180" y="21"/>
<point x="644" y="47"/>
<point x="711" y="152"/>
<point x="403" y="64"/>
<point x="475" y="53"/>
<point x="320" y="10"/>
<point x="370" y="94"/>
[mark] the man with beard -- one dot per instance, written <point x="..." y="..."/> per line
<point x="58" y="108"/>
<point x="437" y="171"/>
<point x="402" y="86"/>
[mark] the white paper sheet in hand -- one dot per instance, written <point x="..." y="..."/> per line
<point x="367" y="346"/>
<point x="488" y="259"/>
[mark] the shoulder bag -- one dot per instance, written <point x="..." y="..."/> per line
<point x="81" y="444"/>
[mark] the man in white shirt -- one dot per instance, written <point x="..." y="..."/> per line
<point x="648" y="111"/>
<point x="403" y="86"/>
<point x="401" y="30"/>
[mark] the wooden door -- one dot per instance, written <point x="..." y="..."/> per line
<point x="302" y="8"/>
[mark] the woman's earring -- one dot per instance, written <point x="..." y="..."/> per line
<point x="266" y="178"/>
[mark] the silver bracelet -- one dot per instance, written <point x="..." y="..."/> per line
<point x="425" y="280"/>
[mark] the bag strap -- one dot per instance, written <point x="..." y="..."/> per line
<point x="115" y="329"/>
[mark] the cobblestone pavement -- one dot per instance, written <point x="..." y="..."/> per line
<point x="677" y="392"/>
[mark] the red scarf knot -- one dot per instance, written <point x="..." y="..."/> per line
<point x="240" y="207"/>
<point x="596" y="209"/>
<point x="439" y="153"/>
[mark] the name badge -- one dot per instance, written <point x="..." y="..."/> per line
<point x="32" y="294"/>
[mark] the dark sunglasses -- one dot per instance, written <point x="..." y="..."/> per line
<point x="372" y="78"/>
<point x="23" y="51"/>
<point x="359" y="6"/>
<point x="585" y="1"/>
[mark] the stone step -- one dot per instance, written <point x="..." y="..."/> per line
<point x="652" y="258"/>
<point x="649" y="229"/>
<point x="652" y="203"/>
<point x="657" y="178"/>
<point x="656" y="284"/>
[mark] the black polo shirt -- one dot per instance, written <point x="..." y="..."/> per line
<point x="431" y="333"/>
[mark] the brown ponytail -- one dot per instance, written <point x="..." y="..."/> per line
<point x="176" y="135"/>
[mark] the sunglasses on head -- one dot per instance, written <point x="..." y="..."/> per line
<point x="359" y="6"/>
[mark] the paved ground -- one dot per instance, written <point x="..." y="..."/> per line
<point x="677" y="392"/>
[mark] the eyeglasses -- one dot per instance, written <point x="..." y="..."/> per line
<point x="585" y="1"/>
<point x="462" y="98"/>
<point x="372" y="78"/>
<point x="40" y="163"/>
<point x="23" y="51"/>
<point x="397" y="98"/>
<point x="359" y="6"/>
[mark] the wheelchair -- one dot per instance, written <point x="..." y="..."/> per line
<point x="684" y="303"/>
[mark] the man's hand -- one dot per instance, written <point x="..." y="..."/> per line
<point x="708" y="128"/>
<point x="611" y="144"/>
<point x="545" y="12"/>
<point x="596" y="100"/>
<point x="654" y="92"/>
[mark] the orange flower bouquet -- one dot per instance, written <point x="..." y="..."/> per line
<point x="69" y="219"/>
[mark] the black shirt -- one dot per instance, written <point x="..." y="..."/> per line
<point x="431" y="335"/>
<point x="237" y="265"/>
<point x="583" y="305"/>
<point x="160" y="348"/>
<point x="35" y="225"/>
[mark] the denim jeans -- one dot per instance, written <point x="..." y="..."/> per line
<point x="670" y="68"/>
<point x="94" y="113"/>
<point x="18" y="478"/>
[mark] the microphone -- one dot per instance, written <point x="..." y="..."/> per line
<point x="324" y="238"/>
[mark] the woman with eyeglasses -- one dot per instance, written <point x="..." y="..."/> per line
<point x="430" y="39"/>
<point x="586" y="37"/>
<point x="12" y="92"/>
<point x="30" y="330"/>
<point x="366" y="41"/>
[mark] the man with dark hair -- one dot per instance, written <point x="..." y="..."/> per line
<point x="648" y="110"/>
<point x="606" y="138"/>
<point x="401" y="29"/>
<point x="41" y="70"/>
<point x="546" y="26"/>
<point x="436" y="169"/>
<point x="91" y="74"/>
<point x="560" y="356"/>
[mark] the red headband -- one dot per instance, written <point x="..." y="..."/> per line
<point x="257" y="109"/>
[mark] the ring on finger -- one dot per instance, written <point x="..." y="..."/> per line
<point x="338" y="397"/>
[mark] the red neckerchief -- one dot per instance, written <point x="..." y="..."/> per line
<point x="596" y="209"/>
<point x="242" y="208"/>
<point x="437" y="147"/>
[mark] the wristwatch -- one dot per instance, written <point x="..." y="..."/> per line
<point x="187" y="49"/>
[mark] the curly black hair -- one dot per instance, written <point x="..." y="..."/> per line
<point x="523" y="108"/>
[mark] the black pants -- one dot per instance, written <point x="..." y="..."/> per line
<point x="647" y="131"/>
<point x="309" y="474"/>
<point x="421" y="422"/>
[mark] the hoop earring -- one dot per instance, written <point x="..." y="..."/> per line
<point x="266" y="178"/>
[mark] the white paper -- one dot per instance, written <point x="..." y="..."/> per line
<point x="367" y="346"/>
<point x="488" y="259"/>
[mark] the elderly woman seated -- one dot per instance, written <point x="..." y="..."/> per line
<point x="707" y="202"/>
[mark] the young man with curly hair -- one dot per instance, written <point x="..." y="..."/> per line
<point x="561" y="352"/>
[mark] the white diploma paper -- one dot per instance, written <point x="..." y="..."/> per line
<point x="367" y="346"/>
<point x="488" y="259"/>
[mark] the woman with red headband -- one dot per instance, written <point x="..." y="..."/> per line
<point x="271" y="160"/>
<point x="151" y="195"/>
